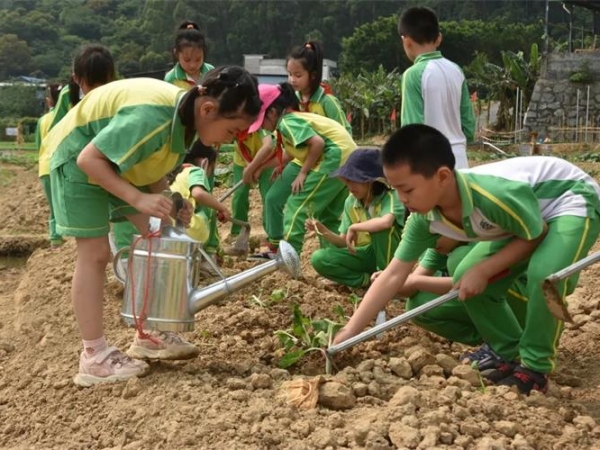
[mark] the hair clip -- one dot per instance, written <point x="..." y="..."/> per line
<point x="201" y="89"/>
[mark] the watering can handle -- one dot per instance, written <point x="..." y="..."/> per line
<point x="117" y="269"/>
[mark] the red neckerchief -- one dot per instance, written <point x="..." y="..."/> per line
<point x="244" y="150"/>
<point x="278" y="153"/>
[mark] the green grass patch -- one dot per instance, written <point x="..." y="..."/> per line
<point x="10" y="145"/>
<point x="6" y="177"/>
<point x="19" y="158"/>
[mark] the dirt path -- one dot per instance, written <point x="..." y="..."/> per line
<point x="399" y="392"/>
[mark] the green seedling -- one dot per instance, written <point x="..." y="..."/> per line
<point x="311" y="217"/>
<point x="255" y="300"/>
<point x="482" y="386"/>
<point x="278" y="295"/>
<point x="355" y="301"/>
<point x="305" y="336"/>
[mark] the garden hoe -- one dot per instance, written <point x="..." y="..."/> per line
<point x="554" y="300"/>
<point x="231" y="190"/>
<point x="241" y="245"/>
<point x="402" y="318"/>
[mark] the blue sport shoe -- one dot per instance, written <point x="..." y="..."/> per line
<point x="483" y="358"/>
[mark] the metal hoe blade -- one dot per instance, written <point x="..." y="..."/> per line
<point x="554" y="300"/>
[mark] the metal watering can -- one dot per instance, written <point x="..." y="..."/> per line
<point x="164" y="272"/>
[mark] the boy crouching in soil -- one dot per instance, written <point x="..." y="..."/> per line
<point x="541" y="214"/>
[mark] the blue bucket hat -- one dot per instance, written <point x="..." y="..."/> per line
<point x="362" y="166"/>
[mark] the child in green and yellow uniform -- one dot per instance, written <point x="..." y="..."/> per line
<point x="305" y="74"/>
<point x="43" y="126"/>
<point x="190" y="53"/>
<point x="252" y="151"/>
<point x="111" y="155"/>
<point x="318" y="147"/>
<point x="541" y="214"/>
<point x="93" y="66"/>
<point x="371" y="224"/>
<point x="194" y="182"/>
<point x="433" y="277"/>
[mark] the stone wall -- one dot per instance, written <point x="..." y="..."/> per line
<point x="554" y="99"/>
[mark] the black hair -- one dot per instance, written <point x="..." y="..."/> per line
<point x="74" y="92"/>
<point x="189" y="35"/>
<point x="310" y="56"/>
<point x="286" y="99"/>
<point x="233" y="88"/>
<point x="420" y="24"/>
<point x="422" y="147"/>
<point x="52" y="92"/>
<point x="379" y="188"/>
<point x="95" y="65"/>
<point x="199" y="150"/>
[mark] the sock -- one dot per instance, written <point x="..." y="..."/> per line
<point x="94" y="347"/>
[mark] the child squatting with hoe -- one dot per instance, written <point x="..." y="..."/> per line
<point x="541" y="214"/>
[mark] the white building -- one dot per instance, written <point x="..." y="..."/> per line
<point x="273" y="71"/>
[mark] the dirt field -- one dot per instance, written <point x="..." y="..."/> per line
<point x="402" y="391"/>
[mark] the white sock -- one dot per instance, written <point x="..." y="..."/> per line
<point x="94" y="347"/>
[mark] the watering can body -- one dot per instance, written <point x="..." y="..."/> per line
<point x="163" y="277"/>
<point x="161" y="273"/>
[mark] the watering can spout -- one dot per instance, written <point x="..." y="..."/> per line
<point x="286" y="259"/>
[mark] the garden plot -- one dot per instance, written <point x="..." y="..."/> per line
<point x="405" y="390"/>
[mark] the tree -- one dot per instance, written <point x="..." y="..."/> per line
<point x="373" y="44"/>
<point x="15" y="57"/>
<point x="502" y="81"/>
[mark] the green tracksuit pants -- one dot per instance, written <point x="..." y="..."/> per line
<point x="240" y="204"/>
<point x="451" y="320"/>
<point x="286" y="213"/>
<point x="212" y="243"/>
<point x="355" y="270"/>
<point x="568" y="240"/>
<point x="55" y="238"/>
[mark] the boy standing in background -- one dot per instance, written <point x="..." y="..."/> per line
<point x="434" y="89"/>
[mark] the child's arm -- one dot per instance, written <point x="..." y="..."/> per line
<point x="339" y="240"/>
<point x="379" y="294"/>
<point x="96" y="166"/>
<point x="467" y="116"/>
<point x="256" y="165"/>
<point x="315" y="144"/>
<point x="206" y="199"/>
<point x="374" y="225"/>
<point x="475" y="280"/>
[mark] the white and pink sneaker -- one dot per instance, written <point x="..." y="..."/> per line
<point x="165" y="345"/>
<point x="109" y="365"/>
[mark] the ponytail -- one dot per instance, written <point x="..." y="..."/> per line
<point x="235" y="90"/>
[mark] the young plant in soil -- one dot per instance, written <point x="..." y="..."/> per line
<point x="276" y="296"/>
<point x="305" y="336"/>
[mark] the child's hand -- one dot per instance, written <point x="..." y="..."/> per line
<point x="374" y="275"/>
<point x="343" y="335"/>
<point x="298" y="183"/>
<point x="224" y="214"/>
<point x="312" y="226"/>
<point x="156" y="205"/>
<point x="351" y="236"/>
<point x="248" y="176"/>
<point x="185" y="213"/>
<point x="472" y="283"/>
